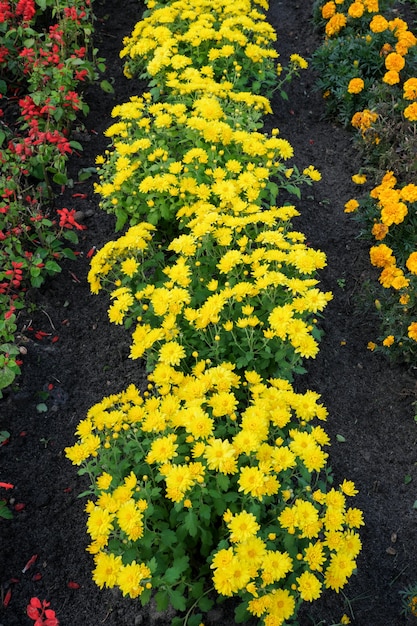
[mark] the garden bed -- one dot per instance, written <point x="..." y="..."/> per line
<point x="370" y="402"/>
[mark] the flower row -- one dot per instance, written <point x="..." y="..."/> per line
<point x="215" y="476"/>
<point x="46" y="58"/>
<point x="375" y="91"/>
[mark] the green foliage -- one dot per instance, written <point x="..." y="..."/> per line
<point x="47" y="65"/>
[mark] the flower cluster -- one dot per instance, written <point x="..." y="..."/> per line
<point x="232" y="460"/>
<point x="380" y="48"/>
<point x="375" y="56"/>
<point x="192" y="45"/>
<point x="215" y="476"/>
<point x="43" y="69"/>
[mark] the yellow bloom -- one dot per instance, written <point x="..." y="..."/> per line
<point x="231" y="579"/>
<point x="131" y="577"/>
<point x="314" y="556"/>
<point x="309" y="586"/>
<point x="275" y="565"/>
<point x="348" y="487"/>
<point x="171" y="353"/>
<point x="130" y="519"/>
<point x="242" y="526"/>
<point x="299" y="61"/>
<point x="312" y="173"/>
<point x="107" y="569"/>
<point x="100" y="522"/>
<point x="221" y="456"/>
<point x="103" y="481"/>
<point x="163" y="449"/>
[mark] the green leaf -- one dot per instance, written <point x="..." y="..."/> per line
<point x="223" y="481"/>
<point x="121" y="220"/>
<point x="60" y="179"/>
<point x="52" y="266"/>
<point x="2" y="135"/>
<point x="204" y="512"/>
<point x="76" y="145"/>
<point x="7" y="376"/>
<point x="407" y="479"/>
<point x="177" y="599"/>
<point x="195" y="620"/>
<point x="106" y="86"/>
<point x="71" y="236"/>
<point x="41" y="407"/>
<point x="162" y="601"/>
<point x="294" y="190"/>
<point x="86" y="172"/>
<point x="340" y="438"/>
<point x="5" y="512"/>
<point x="190" y="523"/>
<point x="168" y="537"/>
<point x="241" y="613"/>
<point x="4" y="435"/>
<point x="205" y="604"/>
<point x="173" y="574"/>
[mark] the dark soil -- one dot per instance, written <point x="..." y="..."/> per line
<point x="370" y="401"/>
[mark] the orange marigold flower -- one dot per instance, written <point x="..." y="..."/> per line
<point x="381" y="256"/>
<point x="351" y="205"/>
<point x="412" y="331"/>
<point x="411" y="263"/>
<point x="391" y="77"/>
<point x="359" y="179"/>
<point x="410" y="89"/>
<point x="328" y="10"/>
<point x="410" y="112"/>
<point x="356" y="85"/>
<point x="378" y="24"/>
<point x="388" y="341"/>
<point x="394" y="61"/>
<point x="372" y="6"/>
<point x="379" y="231"/>
<point x="356" y="10"/>
<point x="335" y="24"/>
<point x="406" y="40"/>
<point x="409" y="193"/>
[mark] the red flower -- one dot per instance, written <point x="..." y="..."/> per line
<point x="67" y="219"/>
<point x="26" y="8"/>
<point x="3" y="53"/>
<point x="5" y="12"/>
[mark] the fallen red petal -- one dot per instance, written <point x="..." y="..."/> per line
<point x="29" y="564"/>
<point x="7" y="598"/>
<point x="6" y="485"/>
<point x="73" y="585"/>
<point x="19" y="506"/>
<point x="37" y="577"/>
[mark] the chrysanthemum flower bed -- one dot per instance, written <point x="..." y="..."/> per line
<point x="375" y="92"/>
<point x="45" y="58"/>
<point x="215" y="478"/>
